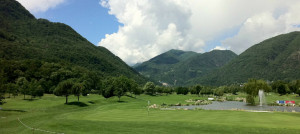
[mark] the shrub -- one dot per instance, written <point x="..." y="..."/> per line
<point x="182" y="90"/>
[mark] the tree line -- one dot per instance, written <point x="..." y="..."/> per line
<point x="34" y="78"/>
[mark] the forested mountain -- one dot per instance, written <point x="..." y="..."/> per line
<point x="181" y="66"/>
<point x="277" y="58"/>
<point x="23" y="37"/>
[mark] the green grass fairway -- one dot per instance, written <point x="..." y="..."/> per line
<point x="95" y="114"/>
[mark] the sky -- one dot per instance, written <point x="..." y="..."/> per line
<point x="138" y="30"/>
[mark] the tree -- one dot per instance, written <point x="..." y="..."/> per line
<point x="283" y="89"/>
<point x="182" y="90"/>
<point x="167" y="90"/>
<point x="116" y="86"/>
<point x="294" y="86"/>
<point x="159" y="89"/>
<point x="39" y="91"/>
<point x="32" y="88"/>
<point x="252" y="88"/>
<point x="23" y="85"/>
<point x="232" y="89"/>
<point x="77" y="89"/>
<point x="280" y="87"/>
<point x="136" y="91"/>
<point x="64" y="89"/>
<point x="149" y="88"/>
<point x="12" y="89"/>
<point x="107" y="90"/>
<point x="134" y="88"/>
<point x="298" y="91"/>
<point x="86" y="88"/>
<point x="2" y="92"/>
<point x="219" y="91"/>
<point x="196" y="89"/>
<point x="121" y="85"/>
<point x="206" y="91"/>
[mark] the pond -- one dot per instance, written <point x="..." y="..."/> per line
<point x="235" y="105"/>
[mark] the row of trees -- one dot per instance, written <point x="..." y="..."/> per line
<point x="253" y="86"/>
<point x="35" y="78"/>
<point x="151" y="89"/>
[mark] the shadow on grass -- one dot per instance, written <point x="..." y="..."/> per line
<point x="92" y="102"/>
<point x="80" y="104"/>
<point x="12" y="110"/>
<point x="30" y="99"/>
<point x="122" y="101"/>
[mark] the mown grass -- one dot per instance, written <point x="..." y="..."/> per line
<point x="95" y="114"/>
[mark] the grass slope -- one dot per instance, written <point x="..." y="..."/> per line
<point x="94" y="114"/>
<point x="183" y="66"/>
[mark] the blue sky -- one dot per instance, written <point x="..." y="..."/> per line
<point x="137" y="30"/>
<point x="87" y="17"/>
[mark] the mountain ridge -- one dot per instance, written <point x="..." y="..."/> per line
<point x="22" y="36"/>
<point x="181" y="66"/>
<point x="277" y="58"/>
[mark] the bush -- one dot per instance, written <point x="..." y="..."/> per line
<point x="149" y="88"/>
<point x="167" y="90"/>
<point x="182" y="90"/>
<point x="206" y="91"/>
<point x="219" y="92"/>
<point x="250" y="100"/>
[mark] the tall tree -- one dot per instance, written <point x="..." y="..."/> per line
<point x="11" y="89"/>
<point x="2" y="93"/>
<point x="107" y="90"/>
<point x="252" y="88"/>
<point x="64" y="89"/>
<point x="32" y="88"/>
<point x="134" y="88"/>
<point x="121" y="86"/>
<point x="77" y="89"/>
<point x="23" y="85"/>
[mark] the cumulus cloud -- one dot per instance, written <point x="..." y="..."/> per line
<point x="40" y="5"/>
<point x="263" y="26"/>
<point x="151" y="27"/>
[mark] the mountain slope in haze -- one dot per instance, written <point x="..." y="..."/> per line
<point x="181" y="66"/>
<point x="22" y="37"/>
<point x="277" y="58"/>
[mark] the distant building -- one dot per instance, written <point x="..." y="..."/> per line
<point x="165" y="84"/>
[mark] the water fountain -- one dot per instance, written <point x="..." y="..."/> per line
<point x="262" y="99"/>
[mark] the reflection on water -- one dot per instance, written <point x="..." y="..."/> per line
<point x="235" y="105"/>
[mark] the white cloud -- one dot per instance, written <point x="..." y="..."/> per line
<point x="151" y="27"/>
<point x="263" y="26"/>
<point x="219" y="48"/>
<point x="35" y="6"/>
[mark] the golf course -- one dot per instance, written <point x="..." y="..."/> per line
<point x="95" y="114"/>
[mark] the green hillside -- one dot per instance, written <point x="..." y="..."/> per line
<point x="183" y="66"/>
<point x="277" y="58"/>
<point x="24" y="37"/>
